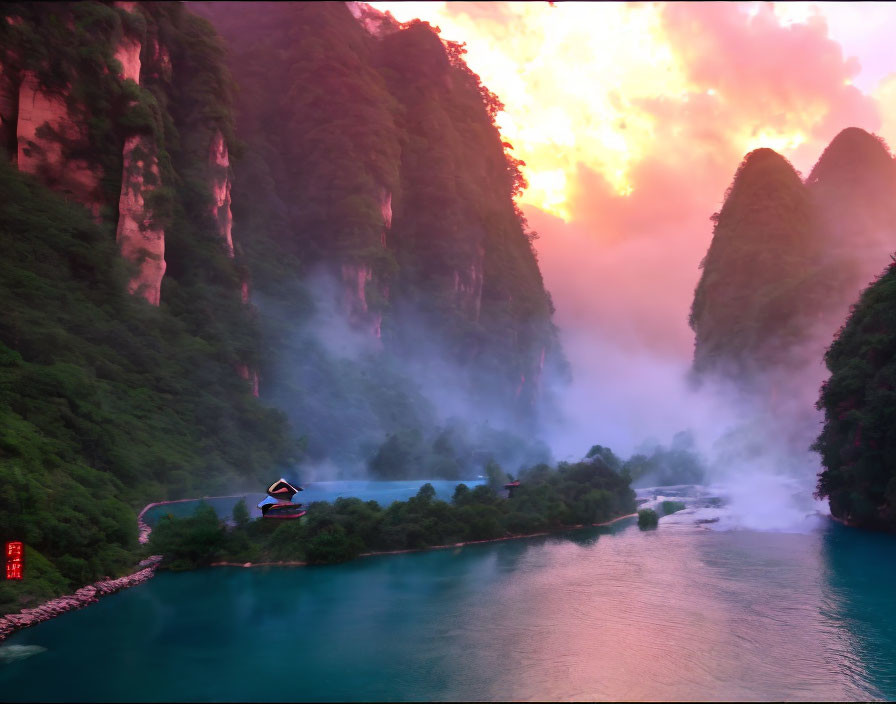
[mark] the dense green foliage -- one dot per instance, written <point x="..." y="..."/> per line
<point x="107" y="402"/>
<point x="858" y="441"/>
<point x="672" y="507"/>
<point x="648" y="519"/>
<point x="584" y="493"/>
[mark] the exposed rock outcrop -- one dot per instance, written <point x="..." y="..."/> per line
<point x="357" y="276"/>
<point x="386" y="212"/>
<point x="249" y="375"/>
<point x="219" y="168"/>
<point x="46" y="131"/>
<point x="141" y="240"/>
<point x="127" y="53"/>
<point x="355" y="279"/>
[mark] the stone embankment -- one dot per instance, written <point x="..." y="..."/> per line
<point x="84" y="596"/>
<point x="145" y="529"/>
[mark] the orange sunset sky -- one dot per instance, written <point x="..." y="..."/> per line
<point x="632" y="119"/>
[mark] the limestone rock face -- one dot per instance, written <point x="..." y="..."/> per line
<point x="128" y="55"/>
<point x="160" y="67"/>
<point x="45" y="131"/>
<point x="355" y="278"/>
<point x="468" y="285"/>
<point x="140" y="239"/>
<point x="386" y="210"/>
<point x="219" y="166"/>
<point x="249" y="375"/>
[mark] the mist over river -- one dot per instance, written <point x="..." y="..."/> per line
<point x="682" y="612"/>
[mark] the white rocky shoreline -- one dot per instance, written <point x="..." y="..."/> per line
<point x="90" y="594"/>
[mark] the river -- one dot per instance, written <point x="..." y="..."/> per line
<point x="683" y="612"/>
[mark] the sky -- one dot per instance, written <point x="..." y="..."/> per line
<point x="632" y="119"/>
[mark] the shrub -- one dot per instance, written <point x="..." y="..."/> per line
<point x="671" y="507"/>
<point x="647" y="519"/>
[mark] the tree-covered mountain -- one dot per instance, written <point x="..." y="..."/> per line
<point x="754" y="299"/>
<point x="788" y="258"/>
<point x="787" y="264"/>
<point x="342" y="241"/>
<point x="852" y="188"/>
<point x="113" y="123"/>
<point x="395" y="276"/>
<point x="858" y="441"/>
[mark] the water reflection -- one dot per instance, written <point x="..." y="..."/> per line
<point x="678" y="613"/>
<point x="860" y="597"/>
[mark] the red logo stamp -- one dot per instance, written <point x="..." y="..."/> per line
<point x="15" y="562"/>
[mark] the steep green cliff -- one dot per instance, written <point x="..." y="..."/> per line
<point x="858" y="441"/>
<point x="787" y="259"/>
<point x="852" y="188"/>
<point x="755" y="295"/>
<point x="112" y="400"/>
<point x="787" y="264"/>
<point x="368" y="210"/>
<point x="376" y="190"/>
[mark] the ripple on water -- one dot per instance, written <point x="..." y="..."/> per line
<point x="677" y="613"/>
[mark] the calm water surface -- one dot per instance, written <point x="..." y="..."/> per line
<point x="677" y="613"/>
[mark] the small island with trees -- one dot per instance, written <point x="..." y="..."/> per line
<point x="547" y="499"/>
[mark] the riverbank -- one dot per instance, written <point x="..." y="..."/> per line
<point x="84" y="596"/>
<point x="563" y="529"/>
<point x="145" y="529"/>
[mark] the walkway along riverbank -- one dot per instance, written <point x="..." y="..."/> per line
<point x="90" y="594"/>
<point x="145" y="529"/>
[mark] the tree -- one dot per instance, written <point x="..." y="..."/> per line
<point x="497" y="477"/>
<point x="241" y="514"/>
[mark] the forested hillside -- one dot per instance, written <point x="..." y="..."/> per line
<point x="331" y="228"/>
<point x="754" y="300"/>
<point x="787" y="264"/>
<point x="858" y="441"/>
<point x="110" y="401"/>
<point x="395" y="275"/>
<point x="788" y="258"/>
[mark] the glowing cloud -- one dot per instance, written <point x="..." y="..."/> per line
<point x="607" y="86"/>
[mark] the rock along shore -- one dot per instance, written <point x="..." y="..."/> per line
<point x="90" y="594"/>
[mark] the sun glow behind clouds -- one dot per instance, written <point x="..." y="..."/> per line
<point x="569" y="76"/>
<point x="579" y="81"/>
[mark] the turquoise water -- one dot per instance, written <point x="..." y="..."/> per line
<point x="678" y="613"/>
<point x="383" y="492"/>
